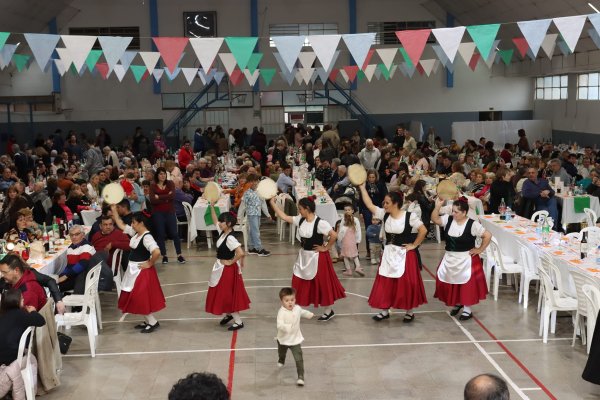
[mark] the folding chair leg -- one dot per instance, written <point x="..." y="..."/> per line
<point x="98" y="311"/>
<point x="575" y="327"/>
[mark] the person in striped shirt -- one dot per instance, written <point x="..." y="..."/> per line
<point x="79" y="254"/>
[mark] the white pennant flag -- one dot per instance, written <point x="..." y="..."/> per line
<point x="306" y="74"/>
<point x="549" y="44"/>
<point x="252" y="78"/>
<point x="206" y="50"/>
<point x="323" y="75"/>
<point x="377" y="73"/>
<point x="449" y="40"/>
<point x="157" y="74"/>
<point x="492" y="56"/>
<point x="79" y="47"/>
<point x="60" y="67"/>
<point x="228" y="61"/>
<point x="298" y="76"/>
<point x="427" y="65"/>
<point x="466" y="51"/>
<point x="387" y="56"/>
<point x="190" y="74"/>
<point x="325" y="47"/>
<point x="150" y="59"/>
<point x="534" y="32"/>
<point x="287" y="76"/>
<point x="120" y="72"/>
<point x="369" y="71"/>
<point x="113" y="48"/>
<point x="359" y="45"/>
<point x="65" y="57"/>
<point x="393" y="70"/>
<point x="439" y="52"/>
<point x="289" y="48"/>
<point x="436" y="66"/>
<point x="344" y="75"/>
<point x="570" y="28"/>
<point x="307" y="58"/>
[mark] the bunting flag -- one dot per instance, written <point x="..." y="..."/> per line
<point x="204" y="77"/>
<point x="42" y="46"/>
<point x="120" y="72"/>
<point x="6" y="54"/>
<point x="103" y="69"/>
<point x="190" y="74"/>
<point x="3" y="38"/>
<point x="393" y="70"/>
<point x="387" y="56"/>
<point x="368" y="59"/>
<point x="489" y="61"/>
<point x="522" y="46"/>
<point x="314" y="76"/>
<point x="534" y="32"/>
<point x="420" y="69"/>
<point x="428" y="65"/>
<point x="242" y="49"/>
<point x="484" y="37"/>
<point x="333" y="74"/>
<point x="288" y="76"/>
<point x="466" y="51"/>
<point x="307" y="58"/>
<point x="252" y="77"/>
<point x="595" y="21"/>
<point x="306" y="74"/>
<point x="267" y="75"/>
<point x="351" y="71"/>
<point x="377" y="73"/>
<point x="219" y="75"/>
<point x="344" y="75"/>
<point x="113" y="48"/>
<point x="369" y="71"/>
<point x="289" y="47"/>
<point x="253" y="62"/>
<point x="414" y="42"/>
<point x="592" y="32"/>
<point x="171" y="75"/>
<point x="65" y="57"/>
<point x="228" y="61"/>
<point x="236" y="76"/>
<point x="474" y="59"/>
<point x="298" y="77"/>
<point x="206" y="50"/>
<point x="441" y="55"/>
<point x="138" y="71"/>
<point x="79" y="46"/>
<point x="385" y="71"/>
<point x="506" y="55"/>
<point x="407" y="59"/>
<point x="359" y="45"/>
<point x="21" y="61"/>
<point x="171" y="49"/>
<point x="150" y="59"/>
<point x="322" y="74"/>
<point x="157" y="74"/>
<point x="549" y="44"/>
<point x="281" y="63"/>
<point x="60" y="67"/>
<point x="325" y="47"/>
<point x="127" y="58"/>
<point x="564" y="47"/>
<point x="92" y="59"/>
<point x="449" y="39"/>
<point x="570" y="29"/>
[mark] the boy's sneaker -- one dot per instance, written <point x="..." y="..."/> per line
<point x="253" y="251"/>
<point x="180" y="260"/>
<point x="165" y="260"/>
<point x="300" y="382"/>
<point x="280" y="365"/>
<point x="263" y="253"/>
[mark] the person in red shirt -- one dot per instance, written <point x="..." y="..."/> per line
<point x="108" y="239"/>
<point x="18" y="276"/>
<point x="185" y="155"/>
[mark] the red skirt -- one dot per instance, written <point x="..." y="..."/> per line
<point x="466" y="294"/>
<point x="323" y="290"/>
<point x="229" y="295"/>
<point x="146" y="297"/>
<point x="404" y="293"/>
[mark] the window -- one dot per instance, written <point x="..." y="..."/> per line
<point x="588" y="86"/>
<point x="551" y="87"/>
<point x="386" y="31"/>
<point x="127" y="31"/>
<point x="301" y="29"/>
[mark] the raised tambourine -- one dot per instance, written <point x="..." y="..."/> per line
<point x="113" y="193"/>
<point x="447" y="190"/>
<point x="357" y="174"/>
<point x="212" y="192"/>
<point x="266" y="189"/>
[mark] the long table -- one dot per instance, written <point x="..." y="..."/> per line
<point x="569" y="215"/>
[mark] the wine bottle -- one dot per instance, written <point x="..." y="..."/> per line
<point x="583" y="246"/>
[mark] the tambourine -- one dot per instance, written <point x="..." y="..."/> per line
<point x="266" y="189"/>
<point x="113" y="193"/>
<point x="447" y="190"/>
<point x="212" y="192"/>
<point x="357" y="174"/>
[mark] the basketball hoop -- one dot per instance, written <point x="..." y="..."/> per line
<point x="305" y="97"/>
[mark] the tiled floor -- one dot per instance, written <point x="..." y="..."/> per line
<point x="350" y="357"/>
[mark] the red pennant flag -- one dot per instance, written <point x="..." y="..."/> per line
<point x="414" y="42"/>
<point x="146" y="74"/>
<point x="351" y="70"/>
<point x="170" y="49"/>
<point x="368" y="59"/>
<point x="420" y="69"/>
<point x="474" y="59"/>
<point x="103" y="69"/>
<point x="522" y="46"/>
<point x="236" y="76"/>
<point x="333" y="75"/>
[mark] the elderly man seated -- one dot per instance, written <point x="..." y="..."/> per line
<point x="557" y="171"/>
<point x="539" y="191"/>
<point x="79" y="254"/>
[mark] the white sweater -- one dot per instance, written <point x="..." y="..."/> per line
<point x="288" y="325"/>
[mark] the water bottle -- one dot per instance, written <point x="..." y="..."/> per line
<point x="538" y="228"/>
<point x="508" y="214"/>
<point x="502" y="207"/>
<point x="583" y="246"/>
<point x="546" y="232"/>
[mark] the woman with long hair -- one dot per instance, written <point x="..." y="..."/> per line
<point x="94" y="192"/>
<point x="12" y="204"/>
<point x="314" y="279"/>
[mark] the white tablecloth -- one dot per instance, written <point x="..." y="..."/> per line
<point x="198" y="223"/>
<point x="325" y="210"/>
<point x="569" y="215"/>
<point x="89" y="216"/>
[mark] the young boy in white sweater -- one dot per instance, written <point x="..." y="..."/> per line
<point x="288" y="330"/>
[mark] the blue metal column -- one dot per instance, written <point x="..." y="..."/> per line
<point x="352" y="29"/>
<point x="254" y="32"/>
<point x="449" y="75"/>
<point x="153" y="8"/>
<point x="53" y="29"/>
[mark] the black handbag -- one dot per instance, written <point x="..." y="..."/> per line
<point x="64" y="342"/>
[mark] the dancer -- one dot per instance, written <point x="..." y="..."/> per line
<point x="460" y="278"/>
<point x="398" y="283"/>
<point x="349" y="235"/>
<point x="226" y="292"/>
<point x="140" y="288"/>
<point x="314" y="279"/>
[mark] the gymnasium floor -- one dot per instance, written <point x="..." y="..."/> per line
<point x="349" y="357"/>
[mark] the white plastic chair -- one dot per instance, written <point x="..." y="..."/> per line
<point x="529" y="273"/>
<point x="573" y="236"/>
<point x="116" y="267"/>
<point x="591" y="216"/>
<point x="538" y="214"/>
<point x="242" y="224"/>
<point x="553" y="300"/>
<point x="188" y="217"/>
<point x="24" y="361"/>
<point x="280" y="201"/>
<point x="88" y="314"/>
<point x="592" y="297"/>
<point x="580" y="279"/>
<point x="502" y="265"/>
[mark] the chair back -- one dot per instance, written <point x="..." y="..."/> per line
<point x="26" y="337"/>
<point x="581" y="279"/>
<point x="590" y="216"/>
<point x="549" y="291"/>
<point x="91" y="287"/>
<point x="116" y="262"/>
<point x="495" y="253"/>
<point x="538" y="214"/>
<point x="188" y="210"/>
<point x="527" y="258"/>
<point x="592" y="301"/>
<point x="24" y="362"/>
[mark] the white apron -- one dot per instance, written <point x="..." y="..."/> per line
<point x="129" y="276"/>
<point x="215" y="275"/>
<point x="393" y="261"/>
<point x="306" y="264"/>
<point x="455" y="267"/>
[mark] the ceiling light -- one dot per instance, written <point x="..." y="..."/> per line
<point x="593" y="8"/>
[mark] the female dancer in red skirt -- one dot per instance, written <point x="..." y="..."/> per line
<point x="398" y="283"/>
<point x="314" y="278"/>
<point x="460" y="277"/>
<point x="226" y="292"/>
<point x="140" y="288"/>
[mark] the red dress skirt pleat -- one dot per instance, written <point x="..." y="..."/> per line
<point x="146" y="297"/>
<point x="323" y="290"/>
<point x="229" y="295"/>
<point x="466" y="294"/>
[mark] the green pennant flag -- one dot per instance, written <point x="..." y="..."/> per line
<point x="21" y="61"/>
<point x="3" y="37"/>
<point x="138" y="71"/>
<point x="506" y="55"/>
<point x="242" y="49"/>
<point x="267" y="75"/>
<point x="92" y="59"/>
<point x="73" y="69"/>
<point x="384" y="71"/>
<point x="409" y="63"/>
<point x="484" y="36"/>
<point x="253" y="62"/>
<point x="361" y="75"/>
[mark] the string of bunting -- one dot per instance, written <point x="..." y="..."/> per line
<point x="241" y="61"/>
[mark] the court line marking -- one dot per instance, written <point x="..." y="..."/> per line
<point x="272" y="280"/>
<point x="496" y="352"/>
<point x="534" y="388"/>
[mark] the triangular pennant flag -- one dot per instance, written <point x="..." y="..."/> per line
<point x="253" y="62"/>
<point x="79" y="46"/>
<point x="474" y="59"/>
<point x="219" y="75"/>
<point x="410" y="69"/>
<point x="564" y="47"/>
<point x="549" y="44"/>
<point x="325" y="47"/>
<point x="377" y="73"/>
<point x="205" y="78"/>
<point x="368" y="59"/>
<point x="506" y="55"/>
<point x="402" y="68"/>
<point x="242" y="49"/>
<point x="251" y="77"/>
<point x="206" y="50"/>
<point x="113" y="48"/>
<point x="6" y="54"/>
<point x="344" y="75"/>
<point x="570" y="29"/>
<point x="103" y="69"/>
<point x="360" y="75"/>
<point x="359" y="45"/>
<point x="406" y="57"/>
<point x="127" y="58"/>
<point x="387" y="56"/>
<point x="289" y="48"/>
<point x="306" y="74"/>
<point x="323" y="75"/>
<point x="170" y="49"/>
<point x="172" y="75"/>
<point x="138" y="71"/>
<point x="3" y="37"/>
<point x="228" y="60"/>
<point x="393" y="70"/>
<point x="287" y="76"/>
<point x="436" y="66"/>
<point x="441" y="55"/>
<point x="333" y="60"/>
<point x="531" y="55"/>
<point x="298" y="77"/>
<point x="593" y="34"/>
<point x="427" y="65"/>
<point x="535" y="32"/>
<point x="414" y="42"/>
<point x="60" y="67"/>
<point x="267" y="74"/>
<point x="420" y="69"/>
<point x="42" y="46"/>
<point x="236" y="77"/>
<point x="466" y="51"/>
<point x="333" y="74"/>
<point x="351" y="71"/>
<point x="307" y="58"/>
<point x="522" y="45"/>
<point x="281" y="63"/>
<point x="150" y="59"/>
<point x="92" y="59"/>
<point x="20" y="61"/>
<point x="385" y="72"/>
<point x="314" y="76"/>
<point x="484" y="36"/>
<point x="81" y="71"/>
<point x="190" y="74"/>
<point x="489" y="61"/>
<point x="370" y="71"/>
<point x="119" y="72"/>
<point x="449" y="40"/>
<point x="595" y="20"/>
<point x="65" y="57"/>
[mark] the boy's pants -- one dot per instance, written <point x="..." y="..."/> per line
<point x="254" y="232"/>
<point x="296" y="352"/>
